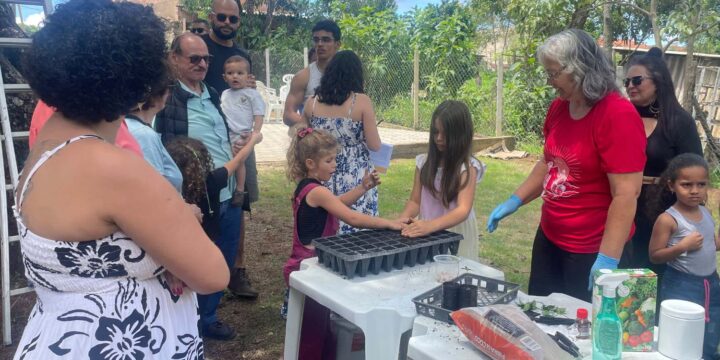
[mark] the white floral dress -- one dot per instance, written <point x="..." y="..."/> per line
<point x="353" y="159"/>
<point x="102" y="299"/>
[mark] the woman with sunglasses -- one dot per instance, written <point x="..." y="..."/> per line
<point x="590" y="173"/>
<point x="99" y="226"/>
<point x="670" y="131"/>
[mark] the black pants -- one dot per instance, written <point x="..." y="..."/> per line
<point x="554" y="270"/>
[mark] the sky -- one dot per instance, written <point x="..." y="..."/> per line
<point x="33" y="15"/>
<point x="405" y="5"/>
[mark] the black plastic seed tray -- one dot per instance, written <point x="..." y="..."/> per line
<point x="490" y="292"/>
<point x="372" y="251"/>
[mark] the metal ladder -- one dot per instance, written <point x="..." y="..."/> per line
<point x="7" y="138"/>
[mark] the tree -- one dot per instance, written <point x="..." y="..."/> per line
<point x="692" y="19"/>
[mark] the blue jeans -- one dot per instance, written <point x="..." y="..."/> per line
<point x="228" y="242"/>
<point x="682" y="286"/>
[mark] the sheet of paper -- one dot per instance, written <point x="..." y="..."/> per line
<point x="381" y="158"/>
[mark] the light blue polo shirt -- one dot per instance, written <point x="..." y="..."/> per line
<point x="206" y="124"/>
<point x="154" y="152"/>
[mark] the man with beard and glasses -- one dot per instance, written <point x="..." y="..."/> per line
<point x="225" y="21"/>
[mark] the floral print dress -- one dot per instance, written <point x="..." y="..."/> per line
<point x="102" y="299"/>
<point x="353" y="159"/>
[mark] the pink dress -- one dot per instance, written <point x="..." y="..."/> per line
<point x="432" y="208"/>
<point x="315" y="335"/>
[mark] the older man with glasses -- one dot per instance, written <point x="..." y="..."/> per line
<point x="193" y="110"/>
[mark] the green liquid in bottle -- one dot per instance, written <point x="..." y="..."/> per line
<point x="607" y="333"/>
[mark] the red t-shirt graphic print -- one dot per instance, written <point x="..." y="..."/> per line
<point x="579" y="154"/>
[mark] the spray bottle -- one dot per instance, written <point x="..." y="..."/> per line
<point x="607" y="329"/>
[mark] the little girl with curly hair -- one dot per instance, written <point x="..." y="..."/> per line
<point x="316" y="210"/>
<point x="201" y="182"/>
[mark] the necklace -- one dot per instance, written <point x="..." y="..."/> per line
<point x="649" y="111"/>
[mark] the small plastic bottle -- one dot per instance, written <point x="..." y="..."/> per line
<point x="583" y="324"/>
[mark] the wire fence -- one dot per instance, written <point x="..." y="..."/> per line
<point x="389" y="78"/>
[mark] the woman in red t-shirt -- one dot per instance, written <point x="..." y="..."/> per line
<point x="590" y="174"/>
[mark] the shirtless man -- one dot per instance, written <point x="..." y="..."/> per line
<point x="326" y="39"/>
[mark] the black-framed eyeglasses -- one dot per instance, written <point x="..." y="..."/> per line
<point x="198" y="31"/>
<point x="552" y="75"/>
<point x="195" y="59"/>
<point x="322" y="39"/>
<point x="635" y="80"/>
<point x="222" y="17"/>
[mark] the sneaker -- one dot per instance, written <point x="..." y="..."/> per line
<point x="219" y="331"/>
<point x="240" y="285"/>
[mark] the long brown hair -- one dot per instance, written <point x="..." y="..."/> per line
<point x="458" y="131"/>
<point x="195" y="163"/>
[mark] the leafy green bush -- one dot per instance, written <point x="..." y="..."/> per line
<point x="400" y="111"/>
<point x="527" y="97"/>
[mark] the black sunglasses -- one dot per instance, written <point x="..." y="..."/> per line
<point x="635" y="80"/>
<point x="195" y="59"/>
<point x="222" y="17"/>
<point x="197" y="30"/>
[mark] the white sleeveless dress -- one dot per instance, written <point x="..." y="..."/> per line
<point x="353" y="159"/>
<point x="102" y="299"/>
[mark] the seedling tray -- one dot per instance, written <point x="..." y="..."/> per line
<point x="490" y="292"/>
<point x="373" y="251"/>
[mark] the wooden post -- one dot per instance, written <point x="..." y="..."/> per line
<point x="267" y="67"/>
<point x="499" y="95"/>
<point x="416" y="89"/>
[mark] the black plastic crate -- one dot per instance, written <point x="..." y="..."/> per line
<point x="490" y="292"/>
<point x="373" y="251"/>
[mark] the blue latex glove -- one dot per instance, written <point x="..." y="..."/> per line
<point x="501" y="211"/>
<point x="602" y="262"/>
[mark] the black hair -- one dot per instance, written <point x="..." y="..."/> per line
<point x="195" y="163"/>
<point x="342" y="76"/>
<point x="94" y="60"/>
<point x="159" y="89"/>
<point x="670" y="110"/>
<point x="458" y="130"/>
<point x="669" y="176"/>
<point x="329" y="26"/>
<point x="203" y="21"/>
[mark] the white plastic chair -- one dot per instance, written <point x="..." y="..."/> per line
<point x="287" y="78"/>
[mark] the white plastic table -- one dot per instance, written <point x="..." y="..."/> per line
<point x="381" y="305"/>
<point x="436" y="340"/>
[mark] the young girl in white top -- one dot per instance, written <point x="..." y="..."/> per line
<point x="445" y="180"/>
<point x="684" y="238"/>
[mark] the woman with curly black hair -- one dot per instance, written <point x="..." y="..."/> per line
<point x="341" y="108"/>
<point x="98" y="225"/>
